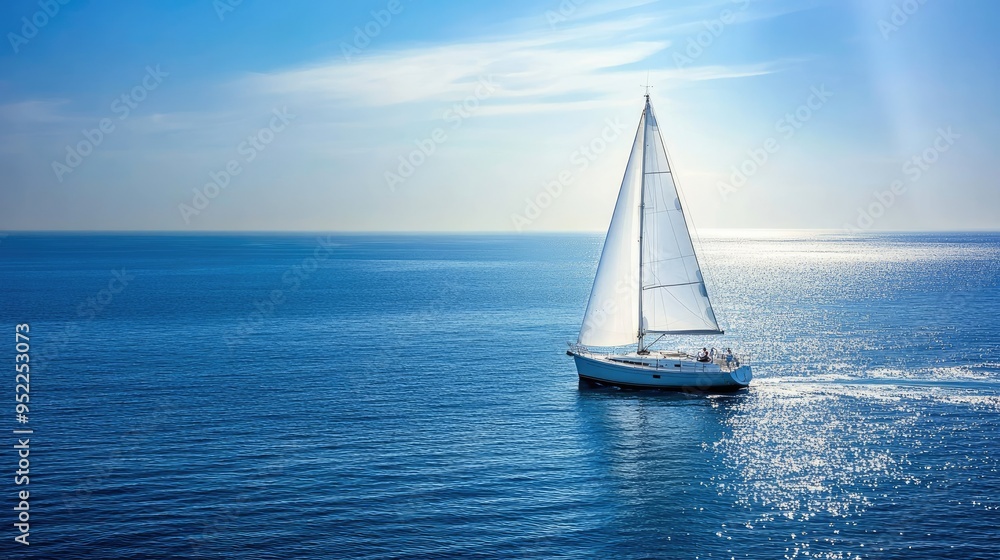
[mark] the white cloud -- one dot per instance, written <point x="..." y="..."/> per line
<point x="581" y="63"/>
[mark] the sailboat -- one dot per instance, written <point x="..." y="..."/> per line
<point x="649" y="285"/>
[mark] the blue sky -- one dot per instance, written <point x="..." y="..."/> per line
<point x="515" y="116"/>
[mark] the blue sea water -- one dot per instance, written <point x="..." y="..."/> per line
<point x="373" y="396"/>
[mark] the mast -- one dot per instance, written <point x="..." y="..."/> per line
<point x="642" y="212"/>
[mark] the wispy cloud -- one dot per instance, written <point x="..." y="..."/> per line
<point x="526" y="67"/>
<point x="35" y="111"/>
<point x="691" y="19"/>
<point x="584" y="62"/>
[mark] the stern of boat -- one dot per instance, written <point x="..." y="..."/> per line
<point x="742" y="375"/>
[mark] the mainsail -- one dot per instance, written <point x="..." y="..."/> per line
<point x="648" y="266"/>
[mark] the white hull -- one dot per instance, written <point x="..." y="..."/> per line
<point x="660" y="371"/>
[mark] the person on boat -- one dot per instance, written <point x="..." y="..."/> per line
<point x="703" y="355"/>
<point x="729" y="356"/>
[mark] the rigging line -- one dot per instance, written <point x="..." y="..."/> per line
<point x="659" y="338"/>
<point x="670" y="285"/>
<point x="672" y="258"/>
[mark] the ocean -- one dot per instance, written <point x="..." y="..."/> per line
<point x="409" y="396"/>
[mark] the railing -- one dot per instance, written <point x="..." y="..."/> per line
<point x="731" y="364"/>
<point x="719" y="358"/>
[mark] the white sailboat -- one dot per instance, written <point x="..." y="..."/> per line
<point x="649" y="285"/>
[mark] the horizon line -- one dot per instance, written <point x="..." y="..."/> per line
<point x="4" y="233"/>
